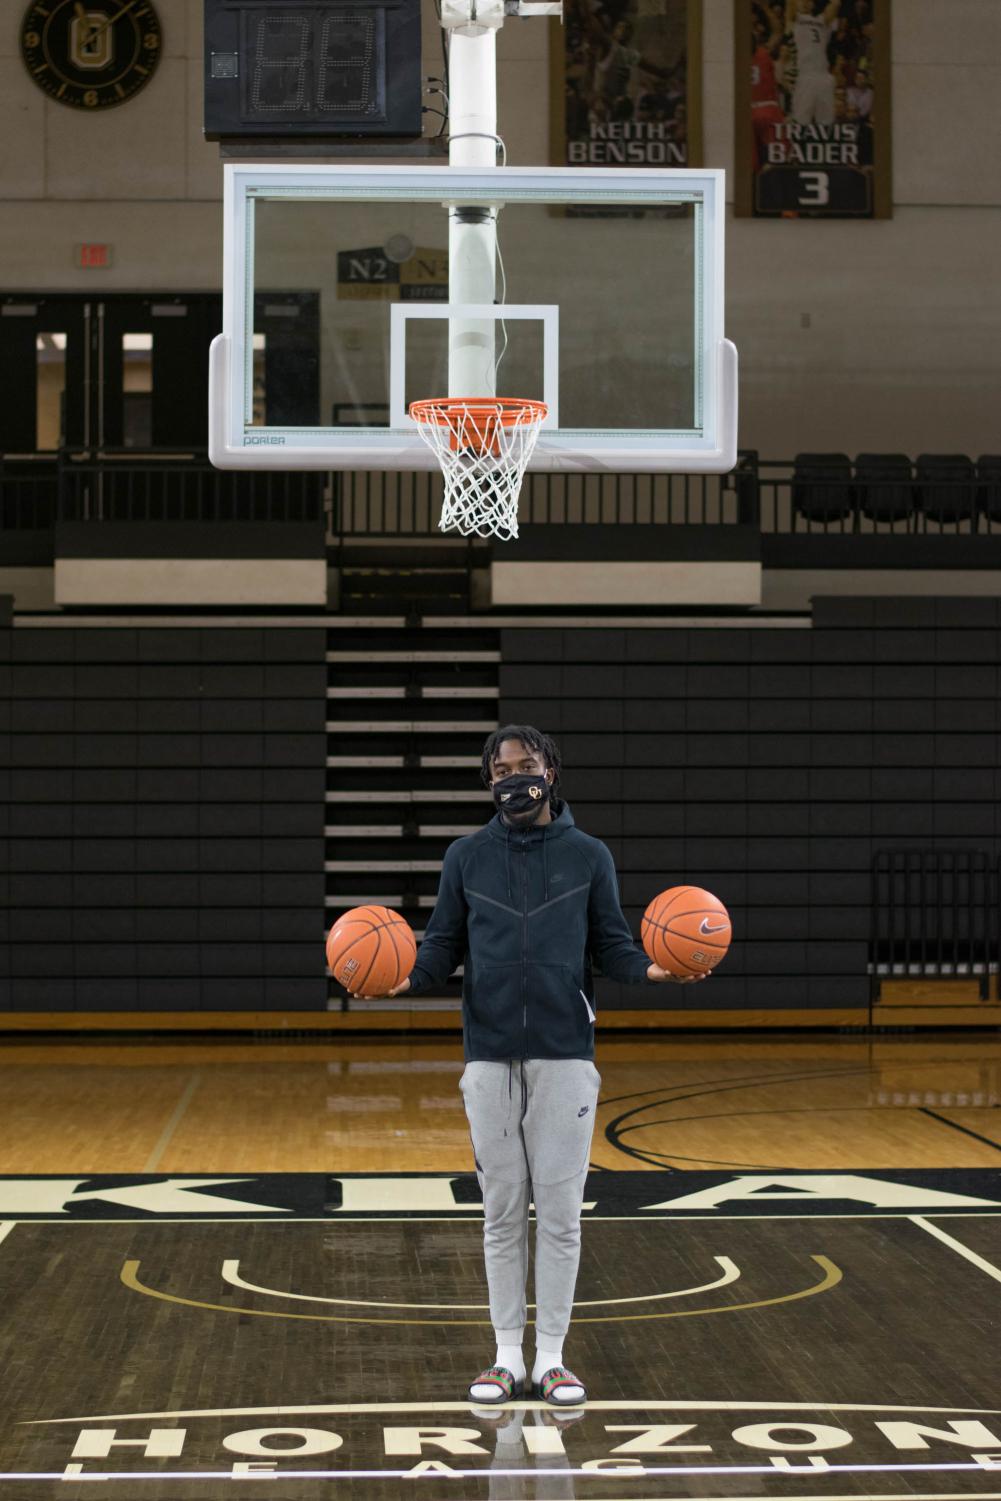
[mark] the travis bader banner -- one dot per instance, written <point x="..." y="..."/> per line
<point x="626" y="84"/>
<point x="813" y="109"/>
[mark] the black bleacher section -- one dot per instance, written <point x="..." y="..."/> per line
<point x="770" y="764"/>
<point x="166" y="801"/>
<point x="164" y="793"/>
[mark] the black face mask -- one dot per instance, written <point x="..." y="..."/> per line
<point x="521" y="794"/>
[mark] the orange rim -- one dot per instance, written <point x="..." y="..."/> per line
<point x="505" y="411"/>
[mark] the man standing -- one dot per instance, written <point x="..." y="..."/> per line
<point x="813" y="96"/>
<point x="525" y="903"/>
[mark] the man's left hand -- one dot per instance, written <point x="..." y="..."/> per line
<point x="656" y="973"/>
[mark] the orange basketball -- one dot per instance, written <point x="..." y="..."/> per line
<point x="686" y="931"/>
<point x="371" y="950"/>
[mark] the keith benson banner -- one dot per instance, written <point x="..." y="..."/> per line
<point x="626" y="84"/>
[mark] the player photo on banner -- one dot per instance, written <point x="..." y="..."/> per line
<point x="626" y="84"/>
<point x="813" y="108"/>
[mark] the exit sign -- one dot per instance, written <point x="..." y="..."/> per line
<point x="94" y="257"/>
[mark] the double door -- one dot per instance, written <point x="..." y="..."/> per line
<point x="121" y="371"/>
<point x="104" y="403"/>
<point x="130" y="372"/>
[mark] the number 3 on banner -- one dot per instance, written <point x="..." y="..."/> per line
<point x="817" y="189"/>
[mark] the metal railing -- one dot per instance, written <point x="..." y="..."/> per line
<point x="36" y="491"/>
<point x="29" y="494"/>
<point x="933" y="915"/>
<point x="165" y="486"/>
<point x="366" y="503"/>
<point x="819" y="494"/>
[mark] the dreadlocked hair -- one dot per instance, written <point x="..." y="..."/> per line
<point x="533" y="740"/>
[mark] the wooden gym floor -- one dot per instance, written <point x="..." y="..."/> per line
<point x="228" y="1261"/>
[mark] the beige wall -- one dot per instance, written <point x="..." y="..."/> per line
<point x="851" y="335"/>
<point x="881" y="335"/>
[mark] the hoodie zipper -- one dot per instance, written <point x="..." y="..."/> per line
<point x="524" y="947"/>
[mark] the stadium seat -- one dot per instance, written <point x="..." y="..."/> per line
<point x="883" y="482"/>
<point x="989" y="488"/>
<point x="945" y="488"/>
<point x="747" y="488"/>
<point x="821" y="486"/>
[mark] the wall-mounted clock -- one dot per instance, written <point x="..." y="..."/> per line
<point x="91" y="54"/>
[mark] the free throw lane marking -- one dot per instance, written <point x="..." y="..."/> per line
<point x="957" y="1246"/>
<point x="6" y="1226"/>
<point x="231" y="1274"/>
<point x="832" y="1276"/>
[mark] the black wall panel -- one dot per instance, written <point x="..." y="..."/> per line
<point x="769" y="765"/>
<point x="162" y="833"/>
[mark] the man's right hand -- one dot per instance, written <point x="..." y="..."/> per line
<point x="664" y="975"/>
<point x="400" y="989"/>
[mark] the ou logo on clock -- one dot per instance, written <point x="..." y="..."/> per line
<point x="91" y="54"/>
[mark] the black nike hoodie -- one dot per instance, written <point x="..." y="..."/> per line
<point x="526" y="911"/>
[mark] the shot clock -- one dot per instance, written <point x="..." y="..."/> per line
<point x="303" y="68"/>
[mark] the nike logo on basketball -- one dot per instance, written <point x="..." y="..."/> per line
<point x="706" y="927"/>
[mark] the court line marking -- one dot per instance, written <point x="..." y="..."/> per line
<point x="77" y="1472"/>
<point x="697" y="1089"/>
<point x="648" y="1154"/>
<point x="955" y="1126"/>
<point x="231" y="1274"/>
<point x="594" y="1404"/>
<point x="164" y="1139"/>
<point x="957" y="1246"/>
<point x="6" y="1226"/>
<point x="475" y="1214"/>
<point x="832" y="1275"/>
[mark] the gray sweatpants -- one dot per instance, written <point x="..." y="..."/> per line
<point x="531" y="1122"/>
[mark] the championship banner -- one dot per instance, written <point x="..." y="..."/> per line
<point x="626" y="84"/>
<point x="813" y="109"/>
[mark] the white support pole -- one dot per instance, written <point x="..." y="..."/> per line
<point x="472" y="230"/>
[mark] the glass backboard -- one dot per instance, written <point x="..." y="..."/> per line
<point x="351" y="291"/>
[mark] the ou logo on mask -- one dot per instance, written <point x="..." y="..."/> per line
<point x="520" y="792"/>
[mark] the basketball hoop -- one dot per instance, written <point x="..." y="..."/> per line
<point x="483" y="444"/>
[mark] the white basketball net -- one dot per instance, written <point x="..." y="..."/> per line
<point x="483" y="445"/>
